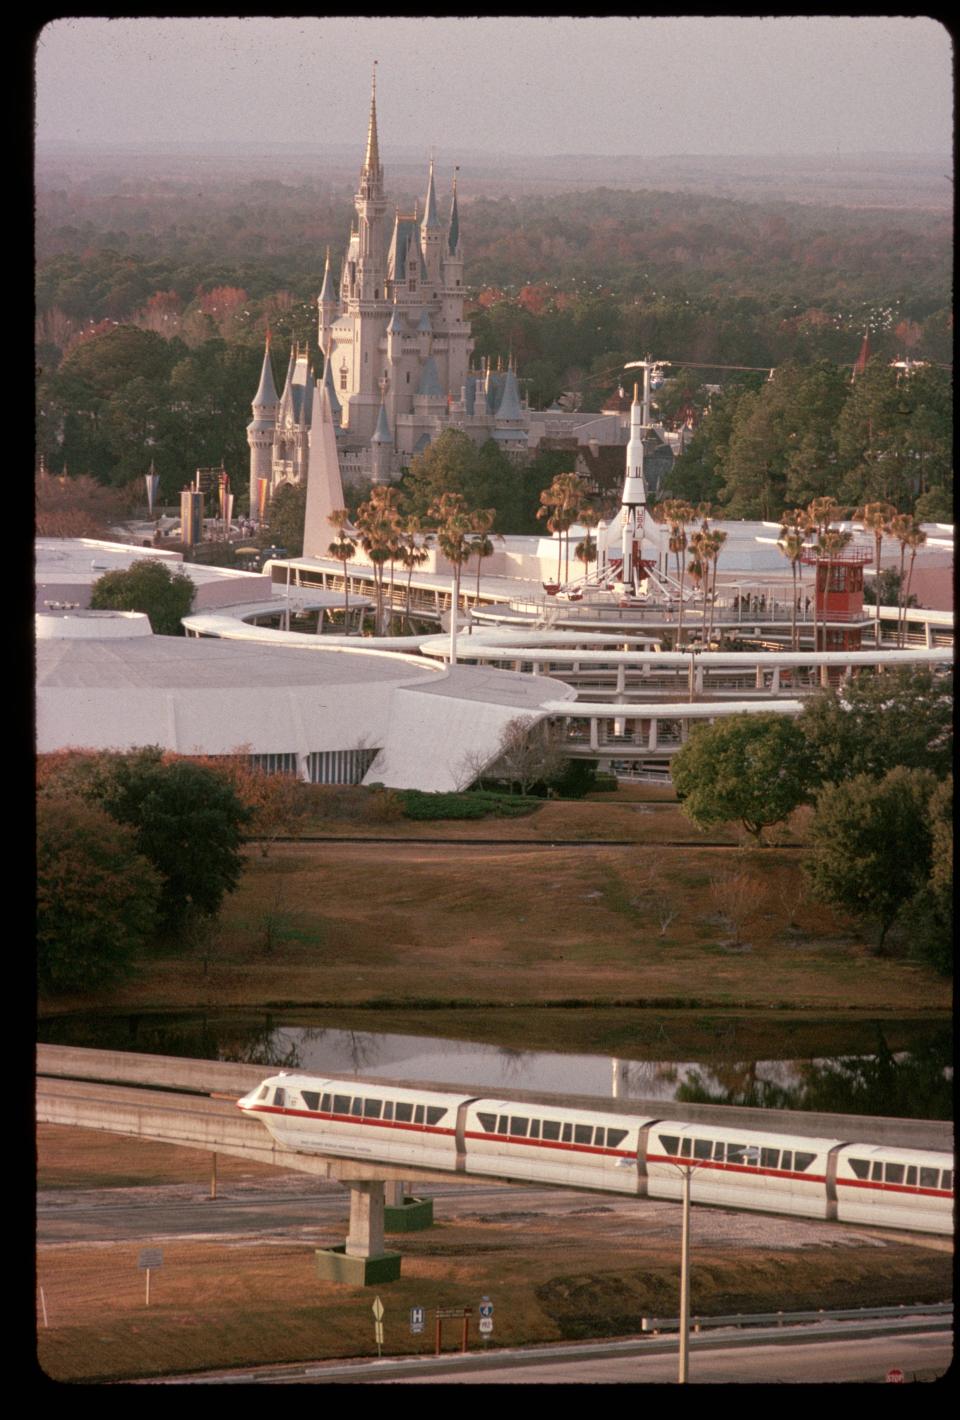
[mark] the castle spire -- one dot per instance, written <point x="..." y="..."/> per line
<point x="430" y="218"/>
<point x="371" y="162"/>
<point x="453" y="231"/>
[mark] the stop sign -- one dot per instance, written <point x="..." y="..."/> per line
<point x="895" y="1375"/>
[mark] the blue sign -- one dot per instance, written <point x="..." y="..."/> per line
<point x="486" y="1307"/>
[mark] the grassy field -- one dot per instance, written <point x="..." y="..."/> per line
<point x="238" y="1301"/>
<point x="414" y="924"/>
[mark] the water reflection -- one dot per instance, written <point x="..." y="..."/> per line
<point x="915" y="1084"/>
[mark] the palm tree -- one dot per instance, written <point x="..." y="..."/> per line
<point x="794" y="526"/>
<point x="915" y="541"/>
<point x="482" y="545"/>
<point x="454" y="526"/>
<point x="560" y="505"/>
<point x="697" y="567"/>
<point x="412" y="554"/>
<point x="908" y="532"/>
<point x="377" y="524"/>
<point x="344" y="550"/>
<point x="876" y="518"/>
<point x="821" y="514"/>
<point x="677" y="513"/>
<point x="717" y="538"/>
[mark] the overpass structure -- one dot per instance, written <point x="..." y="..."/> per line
<point x="191" y="1103"/>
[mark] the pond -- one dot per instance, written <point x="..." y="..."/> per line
<point x="905" y="1083"/>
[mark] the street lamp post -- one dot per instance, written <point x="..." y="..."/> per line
<point x="683" y="1374"/>
<point x="694" y="652"/>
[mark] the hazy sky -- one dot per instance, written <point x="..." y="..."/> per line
<point x="526" y="86"/>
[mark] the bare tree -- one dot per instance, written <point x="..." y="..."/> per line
<point x="530" y="752"/>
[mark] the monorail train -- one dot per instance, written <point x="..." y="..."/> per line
<point x="735" y="1168"/>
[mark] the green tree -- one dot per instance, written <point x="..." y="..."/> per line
<point x="285" y="518"/>
<point x="746" y="768"/>
<point x="874" y="723"/>
<point x="188" y="822"/>
<point x="148" y="586"/>
<point x="932" y="910"/>
<point x="97" y="896"/>
<point x="448" y="465"/>
<point x="872" y="845"/>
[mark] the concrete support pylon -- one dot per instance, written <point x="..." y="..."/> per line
<point x="365" y="1237"/>
<point x="362" y="1260"/>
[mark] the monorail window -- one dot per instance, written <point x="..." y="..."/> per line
<point x="912" y="1176"/>
<point x="404" y="1113"/>
<point x="279" y="1097"/>
<point x="435" y="1113"/>
<point x="566" y="1134"/>
<point x="418" y="1114"/>
<point x="534" y="1129"/>
<point x="893" y="1173"/>
<point x="357" y="1107"/>
<point x="341" y="1104"/>
<point x="670" y="1142"/>
<point x="770" y="1158"/>
<point x="503" y="1125"/>
<point x="600" y="1138"/>
<point x="388" y="1109"/>
<point x="876" y="1173"/>
<point x="787" y="1161"/>
<point x="702" y="1148"/>
<point x="311" y="1099"/>
<point x="947" y="1180"/>
<point x="860" y="1167"/>
<point x="372" y="1109"/>
<point x="265" y="1090"/>
<point x="615" y="1137"/>
<point x="325" y="1104"/>
<point x="803" y="1161"/>
<point x="719" y="1151"/>
<point x="489" y="1122"/>
<point x="583" y="1133"/>
<point x="551" y="1129"/>
<point x="519" y="1126"/>
<point x="685" y="1146"/>
<point x="735" y="1153"/>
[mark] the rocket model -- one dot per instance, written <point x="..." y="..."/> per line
<point x="634" y="500"/>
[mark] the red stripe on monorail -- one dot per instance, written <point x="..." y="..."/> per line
<point x="894" y="1187"/>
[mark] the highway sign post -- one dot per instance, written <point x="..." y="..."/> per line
<point x="417" y="1320"/>
<point x="485" y="1325"/>
<point x="149" y="1258"/>
<point x="377" y="1310"/>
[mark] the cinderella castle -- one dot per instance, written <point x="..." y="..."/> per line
<point x="396" y="355"/>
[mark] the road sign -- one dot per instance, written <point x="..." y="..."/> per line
<point x="417" y="1317"/>
<point x="378" y="1309"/>
<point x="486" y="1307"/>
<point x="151" y="1257"/>
<point x="485" y="1325"/>
<point x="895" y="1375"/>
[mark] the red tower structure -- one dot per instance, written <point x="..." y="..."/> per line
<point x="838" y="601"/>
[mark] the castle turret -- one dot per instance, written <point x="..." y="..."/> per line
<point x="262" y="427"/>
<point x="431" y="237"/>
<point x="381" y="448"/>
<point x="328" y="306"/>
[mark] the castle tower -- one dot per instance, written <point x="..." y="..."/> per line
<point x="262" y="427"/>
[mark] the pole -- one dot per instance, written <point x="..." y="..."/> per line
<point x="213" y="1176"/>
<point x="683" y="1376"/>
<point x="43" y="1307"/>
<point x="148" y="1286"/>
